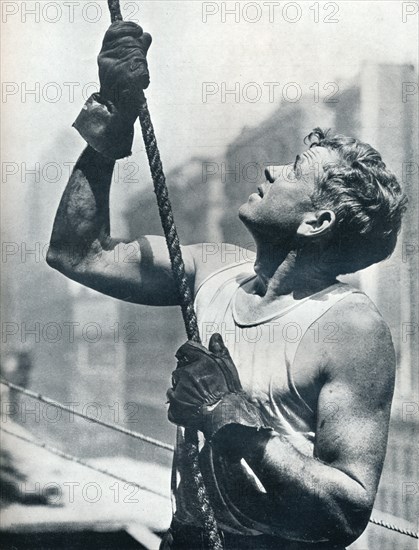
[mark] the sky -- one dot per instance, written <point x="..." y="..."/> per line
<point x="302" y="47"/>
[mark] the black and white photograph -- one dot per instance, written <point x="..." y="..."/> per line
<point x="209" y="275"/>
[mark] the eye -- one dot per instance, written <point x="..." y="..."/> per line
<point x="293" y="172"/>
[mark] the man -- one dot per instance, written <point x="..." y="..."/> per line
<point x="295" y="409"/>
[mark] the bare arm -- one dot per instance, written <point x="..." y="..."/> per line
<point x="330" y="496"/>
<point x="137" y="271"/>
<point x="81" y="246"/>
<point x="82" y="249"/>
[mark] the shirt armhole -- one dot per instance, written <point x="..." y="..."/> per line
<point x="291" y="348"/>
<point x="220" y="270"/>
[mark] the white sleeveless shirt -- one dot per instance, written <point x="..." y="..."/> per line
<point x="263" y="353"/>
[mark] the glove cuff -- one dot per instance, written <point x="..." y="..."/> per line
<point x="105" y="128"/>
<point x="234" y="408"/>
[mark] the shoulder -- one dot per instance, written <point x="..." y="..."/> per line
<point x="352" y="346"/>
<point x="212" y="257"/>
<point x="357" y="319"/>
<point x="363" y="349"/>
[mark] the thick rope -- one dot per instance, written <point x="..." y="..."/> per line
<point x="211" y="533"/>
<point x="89" y="417"/>
<point x="115" y="10"/>
<point x="212" y="538"/>
<point x="168" y="224"/>
<point x="72" y="458"/>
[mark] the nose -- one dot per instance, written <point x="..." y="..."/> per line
<point x="271" y="173"/>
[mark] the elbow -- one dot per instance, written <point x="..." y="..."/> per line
<point x="348" y="522"/>
<point x="57" y="259"/>
<point x="338" y="521"/>
<point x="53" y="259"/>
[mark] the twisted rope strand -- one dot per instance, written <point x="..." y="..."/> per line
<point x="168" y="224"/>
<point x="211" y="533"/>
<point x="115" y="10"/>
<point x="72" y="458"/>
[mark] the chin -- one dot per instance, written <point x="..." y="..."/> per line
<point x="244" y="213"/>
<point x="246" y="217"/>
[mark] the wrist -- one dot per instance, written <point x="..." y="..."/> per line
<point x="237" y="441"/>
<point x="255" y="445"/>
<point x="106" y="129"/>
<point x="93" y="157"/>
<point x="237" y="427"/>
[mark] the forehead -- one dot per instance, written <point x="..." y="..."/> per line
<point x="319" y="156"/>
<point x="311" y="161"/>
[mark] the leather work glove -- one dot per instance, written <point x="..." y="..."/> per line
<point x="107" y="119"/>
<point x="207" y="394"/>
<point x="123" y="69"/>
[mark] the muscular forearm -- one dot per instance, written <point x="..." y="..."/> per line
<point x="82" y="220"/>
<point x="312" y="501"/>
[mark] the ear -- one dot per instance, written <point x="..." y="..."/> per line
<point x="316" y="224"/>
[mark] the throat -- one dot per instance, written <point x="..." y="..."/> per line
<point x="251" y="308"/>
<point x="292" y="275"/>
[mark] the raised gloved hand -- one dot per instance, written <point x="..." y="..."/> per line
<point x="107" y="119"/>
<point x="207" y="394"/>
<point x="123" y="69"/>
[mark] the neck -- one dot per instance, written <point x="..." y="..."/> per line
<point x="280" y="272"/>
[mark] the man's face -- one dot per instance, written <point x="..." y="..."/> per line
<point x="276" y="211"/>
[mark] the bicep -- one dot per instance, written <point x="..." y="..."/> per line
<point x="138" y="271"/>
<point x="354" y="405"/>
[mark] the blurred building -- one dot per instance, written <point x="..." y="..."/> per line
<point x="389" y="121"/>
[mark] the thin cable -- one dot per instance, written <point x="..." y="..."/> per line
<point x="33" y="395"/>
<point x="73" y="458"/>
<point x="392" y="527"/>
<point x="135" y="435"/>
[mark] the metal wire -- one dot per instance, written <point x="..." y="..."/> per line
<point x="125" y="431"/>
<point x="392" y="527"/>
<point x="136" y="435"/>
<point x="72" y="458"/>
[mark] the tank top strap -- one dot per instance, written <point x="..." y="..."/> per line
<point x="223" y="281"/>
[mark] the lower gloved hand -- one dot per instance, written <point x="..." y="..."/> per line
<point x="207" y="395"/>
<point x="107" y="119"/>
